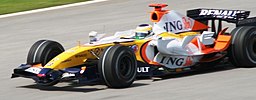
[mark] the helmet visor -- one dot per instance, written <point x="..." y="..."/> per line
<point x="140" y="35"/>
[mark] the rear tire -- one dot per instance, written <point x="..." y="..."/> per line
<point x="43" y="51"/>
<point x="242" y="51"/>
<point x="117" y="66"/>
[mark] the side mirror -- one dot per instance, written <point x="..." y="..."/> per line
<point x="93" y="36"/>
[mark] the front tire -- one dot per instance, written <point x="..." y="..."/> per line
<point x="43" y="51"/>
<point x="242" y="51"/>
<point x="117" y="66"/>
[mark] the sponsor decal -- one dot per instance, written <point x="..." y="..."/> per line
<point x="187" y="22"/>
<point x="55" y="59"/>
<point x="172" y="61"/>
<point x="218" y="13"/>
<point x="189" y="61"/>
<point x="178" y="70"/>
<point x="80" y="55"/>
<point x="49" y="64"/>
<point x="34" y="70"/>
<point x="70" y="51"/>
<point x="174" y="22"/>
<point x="143" y="69"/>
<point x="97" y="51"/>
<point x="68" y="60"/>
<point x="174" y="25"/>
<point x="178" y="25"/>
<point x="134" y="48"/>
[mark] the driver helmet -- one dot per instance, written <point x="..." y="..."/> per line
<point x="142" y="31"/>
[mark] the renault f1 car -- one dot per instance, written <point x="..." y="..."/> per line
<point x="179" y="43"/>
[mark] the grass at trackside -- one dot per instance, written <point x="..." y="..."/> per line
<point x="11" y="6"/>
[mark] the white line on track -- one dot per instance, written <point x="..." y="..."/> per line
<point x="51" y="8"/>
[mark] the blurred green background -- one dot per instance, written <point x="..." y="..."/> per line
<point x="11" y="6"/>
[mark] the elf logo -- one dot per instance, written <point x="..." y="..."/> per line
<point x="220" y="13"/>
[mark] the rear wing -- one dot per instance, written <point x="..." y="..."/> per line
<point x="231" y="16"/>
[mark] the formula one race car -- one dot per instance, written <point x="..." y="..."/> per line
<point x="176" y="43"/>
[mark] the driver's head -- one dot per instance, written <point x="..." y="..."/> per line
<point x="142" y="31"/>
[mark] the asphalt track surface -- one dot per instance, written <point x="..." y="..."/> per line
<point x="68" y="25"/>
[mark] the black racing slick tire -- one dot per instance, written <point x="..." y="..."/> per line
<point x="117" y="66"/>
<point x="43" y="51"/>
<point x="242" y="51"/>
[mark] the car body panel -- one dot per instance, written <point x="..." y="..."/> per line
<point x="179" y="43"/>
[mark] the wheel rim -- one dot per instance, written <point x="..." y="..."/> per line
<point x="251" y="48"/>
<point x="126" y="67"/>
<point x="254" y="46"/>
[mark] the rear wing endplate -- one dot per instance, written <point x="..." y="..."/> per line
<point x="231" y="16"/>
